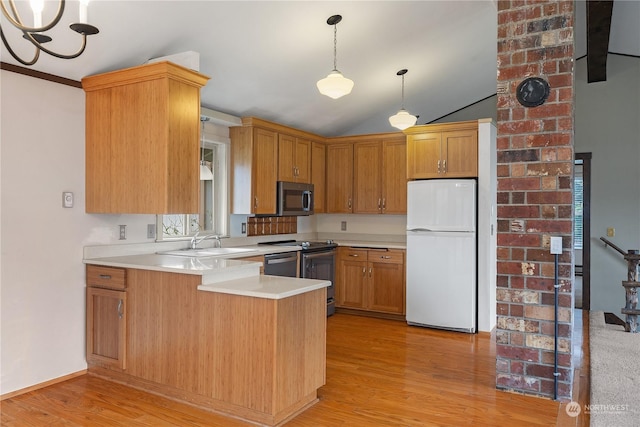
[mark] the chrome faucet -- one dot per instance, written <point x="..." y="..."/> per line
<point x="195" y="241"/>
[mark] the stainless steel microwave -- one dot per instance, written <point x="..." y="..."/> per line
<point x="294" y="198"/>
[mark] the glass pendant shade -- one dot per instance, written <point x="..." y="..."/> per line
<point x="205" y="172"/>
<point x="402" y="120"/>
<point x="335" y="85"/>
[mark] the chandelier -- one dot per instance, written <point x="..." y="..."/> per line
<point x="34" y="34"/>
<point x="335" y="84"/>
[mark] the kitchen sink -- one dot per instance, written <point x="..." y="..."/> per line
<point x="208" y="252"/>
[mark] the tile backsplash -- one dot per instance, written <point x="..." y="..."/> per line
<point x="269" y="225"/>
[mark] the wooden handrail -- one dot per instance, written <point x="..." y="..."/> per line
<point x="608" y="243"/>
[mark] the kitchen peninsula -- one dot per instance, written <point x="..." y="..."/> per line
<point x="210" y="332"/>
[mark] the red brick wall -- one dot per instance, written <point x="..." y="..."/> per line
<point x="535" y="167"/>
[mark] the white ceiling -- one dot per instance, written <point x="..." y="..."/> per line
<point x="264" y="57"/>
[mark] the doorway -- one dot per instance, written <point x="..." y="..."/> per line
<point x="582" y="230"/>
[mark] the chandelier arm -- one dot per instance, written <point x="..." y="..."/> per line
<point x="17" y="21"/>
<point x="15" y="55"/>
<point x="58" y="55"/>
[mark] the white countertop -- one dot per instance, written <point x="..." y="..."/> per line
<point x="226" y="274"/>
<point x="270" y="287"/>
<point x="375" y="245"/>
<point x="221" y="273"/>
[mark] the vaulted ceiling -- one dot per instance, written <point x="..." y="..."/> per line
<point x="264" y="57"/>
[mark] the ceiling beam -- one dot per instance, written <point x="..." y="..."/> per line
<point x="598" y="30"/>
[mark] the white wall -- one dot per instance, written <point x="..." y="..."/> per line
<point x="607" y="124"/>
<point x="362" y="223"/>
<point x="42" y="277"/>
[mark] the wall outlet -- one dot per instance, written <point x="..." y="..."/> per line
<point x="123" y="232"/>
<point x="343" y="226"/>
<point x="67" y="199"/>
<point x="243" y="228"/>
<point x="556" y="245"/>
<point x="151" y="231"/>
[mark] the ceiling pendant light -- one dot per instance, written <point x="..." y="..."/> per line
<point x="402" y="119"/>
<point x="335" y="84"/>
<point x="35" y="34"/>
<point x="205" y="172"/>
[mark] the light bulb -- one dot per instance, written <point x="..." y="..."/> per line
<point x="37" y="6"/>
<point x="83" y="11"/>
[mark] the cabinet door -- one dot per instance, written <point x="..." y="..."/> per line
<point x="424" y="155"/>
<point x="460" y="153"/>
<point x="286" y="158"/>
<point x="318" y="164"/>
<point x="394" y="176"/>
<point x="386" y="287"/>
<point x="367" y="183"/>
<point x="106" y="327"/>
<point x="350" y="291"/>
<point x="302" y="162"/>
<point x="264" y="171"/>
<point x="339" y="178"/>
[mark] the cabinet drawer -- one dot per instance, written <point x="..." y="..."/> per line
<point x="106" y="277"/>
<point x="353" y="254"/>
<point x="391" y="256"/>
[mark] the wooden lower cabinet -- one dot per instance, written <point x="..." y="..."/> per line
<point x="256" y="359"/>
<point x="106" y="317"/>
<point x="371" y="280"/>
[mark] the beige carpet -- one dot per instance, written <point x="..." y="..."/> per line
<point x="615" y="374"/>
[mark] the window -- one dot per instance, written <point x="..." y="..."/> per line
<point x="577" y="205"/>
<point x="213" y="215"/>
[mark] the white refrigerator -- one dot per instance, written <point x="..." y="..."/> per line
<point x="441" y="254"/>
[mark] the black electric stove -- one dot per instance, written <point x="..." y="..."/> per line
<point x="307" y="245"/>
<point x="317" y="261"/>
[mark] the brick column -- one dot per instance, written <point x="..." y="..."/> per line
<point x="535" y="168"/>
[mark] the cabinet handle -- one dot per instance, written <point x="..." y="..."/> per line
<point x="364" y="271"/>
<point x="439" y="162"/>
<point x="105" y="276"/>
<point x="120" y="309"/>
<point x="379" y="204"/>
<point x="349" y="203"/>
<point x="384" y="203"/>
<point x="255" y="203"/>
<point x="385" y="257"/>
<point x="369" y="271"/>
<point x="354" y="255"/>
<point x="444" y="166"/>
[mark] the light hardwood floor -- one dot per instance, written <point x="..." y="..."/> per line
<point x="379" y="373"/>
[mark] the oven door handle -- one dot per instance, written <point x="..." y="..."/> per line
<point x="323" y="254"/>
<point x="280" y="260"/>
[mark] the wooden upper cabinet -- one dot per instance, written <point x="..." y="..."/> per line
<point x="442" y="151"/>
<point x="254" y="170"/>
<point x="339" y="191"/>
<point x="294" y="159"/>
<point x="318" y="169"/>
<point x="394" y="176"/>
<point x="367" y="177"/>
<point x="380" y="176"/>
<point x="424" y="155"/>
<point x="460" y="150"/>
<point x="142" y="140"/>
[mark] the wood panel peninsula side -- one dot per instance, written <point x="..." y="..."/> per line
<point x="256" y="358"/>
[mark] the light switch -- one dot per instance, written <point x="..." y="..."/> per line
<point x="67" y="199"/>
<point x="611" y="232"/>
